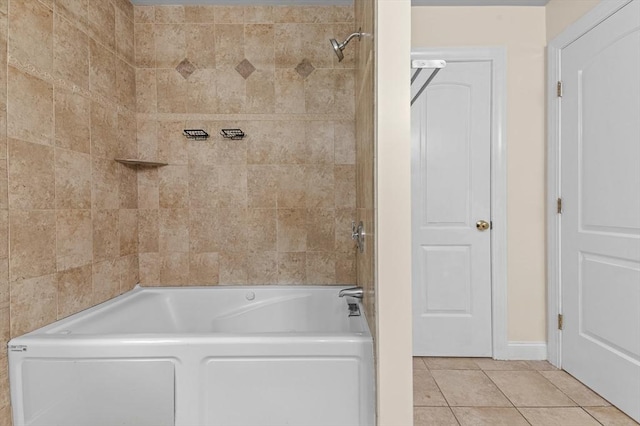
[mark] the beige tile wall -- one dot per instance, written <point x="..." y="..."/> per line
<point x="365" y="151"/>
<point x="5" y="330"/>
<point x="68" y="212"/>
<point x="275" y="207"/>
<point x="76" y="228"/>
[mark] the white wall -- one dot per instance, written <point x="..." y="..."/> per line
<point x="522" y="31"/>
<point x="393" y="292"/>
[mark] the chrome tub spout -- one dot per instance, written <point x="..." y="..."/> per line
<point x="356" y="292"/>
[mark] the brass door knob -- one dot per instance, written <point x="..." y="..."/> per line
<point x="482" y="225"/>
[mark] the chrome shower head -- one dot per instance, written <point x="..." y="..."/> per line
<point x="339" y="47"/>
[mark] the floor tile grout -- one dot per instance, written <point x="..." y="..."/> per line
<point x="518" y="409"/>
<point x="591" y="415"/>
<point x="439" y="389"/>
<point x="561" y="391"/>
<point x="455" y="417"/>
<point x="523" y="416"/>
<point x="498" y="387"/>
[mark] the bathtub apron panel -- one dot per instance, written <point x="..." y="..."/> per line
<point x="237" y="356"/>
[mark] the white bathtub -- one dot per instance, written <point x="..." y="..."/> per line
<point x="223" y="356"/>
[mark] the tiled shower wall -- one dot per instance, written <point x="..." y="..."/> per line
<point x="365" y="153"/>
<point x="275" y="207"/>
<point x="68" y="212"/>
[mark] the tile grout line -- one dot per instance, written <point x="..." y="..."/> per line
<point x="439" y="390"/>
<point x="454" y="415"/>
<point x="591" y="415"/>
<point x="584" y="385"/>
<point x="610" y="406"/>
<point x="561" y="391"/>
<point x="518" y="408"/>
<point x="437" y="385"/>
<point x="447" y="401"/>
<point x="523" y="416"/>
<point x="536" y="371"/>
<point x="497" y="387"/>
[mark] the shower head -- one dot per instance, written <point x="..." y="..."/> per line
<point x="339" y="47"/>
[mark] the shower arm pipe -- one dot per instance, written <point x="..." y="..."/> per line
<point x="348" y="39"/>
<point x="436" y="65"/>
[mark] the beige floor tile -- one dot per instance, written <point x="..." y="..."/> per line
<point x="418" y="364"/>
<point x="575" y="390"/>
<point x="451" y="363"/>
<point x="529" y="389"/>
<point x="567" y="416"/>
<point x="489" y="416"/>
<point x="611" y="416"/>
<point x="465" y="388"/>
<point x="489" y="364"/>
<point x="541" y="365"/>
<point x="433" y="416"/>
<point x="425" y="390"/>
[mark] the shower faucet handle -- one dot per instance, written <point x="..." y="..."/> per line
<point x="358" y="234"/>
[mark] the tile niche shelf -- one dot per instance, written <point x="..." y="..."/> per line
<point x="140" y="163"/>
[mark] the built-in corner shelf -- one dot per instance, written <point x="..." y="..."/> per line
<point x="141" y="163"/>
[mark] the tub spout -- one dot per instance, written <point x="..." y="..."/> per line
<point x="356" y="292"/>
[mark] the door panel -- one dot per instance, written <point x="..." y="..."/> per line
<point x="607" y="83"/>
<point x="451" y="151"/>
<point x="447" y="205"/>
<point x="600" y="187"/>
<point x="620" y="295"/>
<point x="451" y="265"/>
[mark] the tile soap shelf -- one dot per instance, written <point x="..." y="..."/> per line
<point x="141" y="163"/>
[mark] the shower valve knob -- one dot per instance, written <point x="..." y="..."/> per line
<point x="357" y="234"/>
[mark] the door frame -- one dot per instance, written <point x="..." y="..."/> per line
<point x="576" y="30"/>
<point x="497" y="56"/>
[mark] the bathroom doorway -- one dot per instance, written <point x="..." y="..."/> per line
<point x="459" y="204"/>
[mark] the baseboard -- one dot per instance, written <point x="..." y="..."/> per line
<point x="527" y="351"/>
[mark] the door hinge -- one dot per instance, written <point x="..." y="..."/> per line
<point x="559" y="89"/>
<point x="559" y="206"/>
<point x="560" y="321"/>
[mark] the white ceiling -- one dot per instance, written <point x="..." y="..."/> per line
<point x="343" y="2"/>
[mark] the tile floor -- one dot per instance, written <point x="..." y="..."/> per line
<point x="481" y="391"/>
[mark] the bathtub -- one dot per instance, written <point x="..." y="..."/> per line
<point x="228" y="356"/>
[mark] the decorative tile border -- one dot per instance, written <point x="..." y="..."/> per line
<point x="243" y="117"/>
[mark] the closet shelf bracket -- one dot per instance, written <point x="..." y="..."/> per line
<point x="419" y="64"/>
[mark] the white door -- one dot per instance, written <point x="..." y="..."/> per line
<point x="451" y="191"/>
<point x="600" y="188"/>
